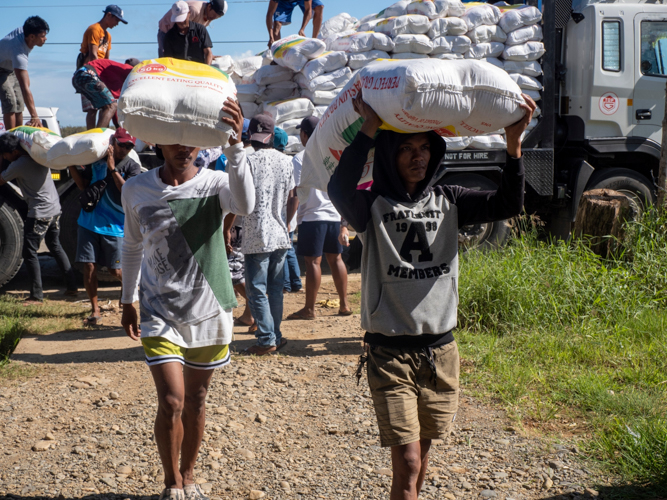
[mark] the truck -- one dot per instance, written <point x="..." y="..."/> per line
<point x="14" y="209"/>
<point x="603" y="101"/>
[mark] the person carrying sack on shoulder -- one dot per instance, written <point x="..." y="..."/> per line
<point x="409" y="278"/>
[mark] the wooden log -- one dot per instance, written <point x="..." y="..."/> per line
<point x="600" y="220"/>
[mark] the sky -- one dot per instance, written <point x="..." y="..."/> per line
<point x="51" y="66"/>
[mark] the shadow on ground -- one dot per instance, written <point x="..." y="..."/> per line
<point x="96" y="496"/>
<point x="338" y="346"/>
<point x="621" y="492"/>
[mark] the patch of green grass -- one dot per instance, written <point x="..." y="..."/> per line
<point x="555" y="331"/>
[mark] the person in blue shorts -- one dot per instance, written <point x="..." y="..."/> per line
<point x="279" y="14"/>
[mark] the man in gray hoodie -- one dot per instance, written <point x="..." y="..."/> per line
<point x="409" y="278"/>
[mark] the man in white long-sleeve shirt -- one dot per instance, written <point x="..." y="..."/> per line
<point x="174" y="235"/>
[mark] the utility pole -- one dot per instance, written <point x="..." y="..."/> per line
<point x="662" y="169"/>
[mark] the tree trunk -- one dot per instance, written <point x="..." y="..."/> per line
<point x="600" y="220"/>
<point x="662" y="169"/>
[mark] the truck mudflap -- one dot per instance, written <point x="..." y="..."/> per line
<point x="538" y="162"/>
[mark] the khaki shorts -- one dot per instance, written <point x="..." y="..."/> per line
<point x="11" y="97"/>
<point x="410" y="403"/>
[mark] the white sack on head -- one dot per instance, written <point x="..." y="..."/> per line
<point x="83" y="148"/>
<point x="171" y="101"/>
<point x="419" y="44"/>
<point x="249" y="109"/>
<point x="337" y="24"/>
<point x="324" y="63"/>
<point x="448" y="57"/>
<point x="289" y="109"/>
<point x="295" y="51"/>
<point x="530" y="68"/>
<point x="495" y="61"/>
<point x="448" y="44"/>
<point x="529" y="51"/>
<point x="404" y="25"/>
<point x="457" y="143"/>
<point x="224" y="63"/>
<point x="526" y="82"/>
<point x="357" y="61"/>
<point x="532" y="33"/>
<point x="486" y="33"/>
<point x="516" y="18"/>
<point x="481" y="14"/>
<point x="266" y="75"/>
<point x="484" y="50"/>
<point x="448" y="26"/>
<point x="321" y="97"/>
<point x="452" y="97"/>
<point x="36" y="141"/>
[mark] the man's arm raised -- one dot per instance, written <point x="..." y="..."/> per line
<point x="241" y="197"/>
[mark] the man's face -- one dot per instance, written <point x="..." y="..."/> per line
<point x="121" y="150"/>
<point x="112" y="20"/>
<point x="36" y="40"/>
<point x="183" y="25"/>
<point x="211" y="14"/>
<point x="13" y="156"/>
<point x="179" y="157"/>
<point x="412" y="158"/>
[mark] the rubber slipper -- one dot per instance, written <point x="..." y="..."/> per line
<point x="258" y="350"/>
<point x="345" y="313"/>
<point x="283" y="343"/>
<point x="298" y="315"/>
<point x="91" y="320"/>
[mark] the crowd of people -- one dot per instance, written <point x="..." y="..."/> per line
<point x="206" y="227"/>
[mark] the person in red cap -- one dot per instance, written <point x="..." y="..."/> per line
<point x="102" y="219"/>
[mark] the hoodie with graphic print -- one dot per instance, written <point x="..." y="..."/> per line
<point x="409" y="270"/>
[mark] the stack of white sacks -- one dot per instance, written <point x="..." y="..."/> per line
<point x="300" y="77"/>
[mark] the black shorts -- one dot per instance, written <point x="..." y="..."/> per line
<point x="318" y="237"/>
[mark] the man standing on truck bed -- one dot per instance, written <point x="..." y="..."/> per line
<point x="43" y="221"/>
<point x="187" y="40"/>
<point x="96" y="44"/>
<point x="279" y="14"/>
<point x="15" y="91"/>
<point x="100" y="81"/>
<point x="200" y="12"/>
<point x="102" y="220"/>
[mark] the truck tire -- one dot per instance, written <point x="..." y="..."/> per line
<point x="69" y="228"/>
<point x="487" y="236"/>
<point x="11" y="243"/>
<point x="635" y="186"/>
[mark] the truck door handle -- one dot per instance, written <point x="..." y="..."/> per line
<point x="643" y="114"/>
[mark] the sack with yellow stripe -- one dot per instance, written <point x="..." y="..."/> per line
<point x="454" y="98"/>
<point x="295" y="51"/>
<point x="83" y="148"/>
<point x="171" y="101"/>
<point x="36" y="141"/>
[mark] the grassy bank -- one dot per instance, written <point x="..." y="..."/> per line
<point x="573" y="342"/>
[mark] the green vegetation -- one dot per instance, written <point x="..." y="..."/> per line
<point x="17" y="320"/>
<point x="568" y="340"/>
<point x="71" y="129"/>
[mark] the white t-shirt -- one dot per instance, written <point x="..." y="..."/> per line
<point x="265" y="230"/>
<point x="173" y="234"/>
<point x="14" y="51"/>
<point x="318" y="206"/>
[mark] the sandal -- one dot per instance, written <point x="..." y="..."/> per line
<point x="299" y="315"/>
<point x="239" y="322"/>
<point x="345" y="313"/>
<point x="258" y="350"/>
<point x="283" y="343"/>
<point x="91" y="320"/>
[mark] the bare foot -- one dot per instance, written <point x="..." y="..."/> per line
<point x="301" y="314"/>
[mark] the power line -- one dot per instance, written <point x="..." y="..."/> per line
<point x="155" y="43"/>
<point x="101" y="5"/>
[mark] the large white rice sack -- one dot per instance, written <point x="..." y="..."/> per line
<point x="321" y="97"/>
<point x="290" y="126"/>
<point x="526" y="82"/>
<point x="327" y="81"/>
<point x="290" y="109"/>
<point x="484" y="50"/>
<point x="224" y="63"/>
<point x="419" y="44"/>
<point x="328" y="41"/>
<point x="495" y="61"/>
<point x="172" y="101"/>
<point x="448" y="26"/>
<point x="249" y="109"/>
<point x="247" y="92"/>
<point x="295" y="51"/>
<point x="455" y="98"/>
<point x="486" y="33"/>
<point x="409" y="55"/>
<point x="266" y="75"/>
<point x="358" y="61"/>
<point x="399" y="8"/>
<point x="363" y="42"/>
<point x="455" y="8"/>
<point x="247" y="66"/>
<point x="532" y="33"/>
<point x="530" y="68"/>
<point x="337" y="24"/>
<point x="448" y="44"/>
<point x="529" y="51"/>
<point x="516" y="18"/>
<point x="36" y="141"/>
<point x="83" y="148"/>
<point x="324" y="63"/>
<point x="481" y="14"/>
<point x="436" y="8"/>
<point x="448" y="57"/>
<point x="278" y="92"/>
<point x="369" y="25"/>
<point x="402" y="25"/>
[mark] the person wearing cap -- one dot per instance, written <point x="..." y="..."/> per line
<point x="43" y="220"/>
<point x="200" y="12"/>
<point x="187" y="40"/>
<point x="279" y="14"/>
<point x="101" y="81"/>
<point x="319" y="229"/>
<point x="15" y="91"/>
<point x="101" y="226"/>
<point x="96" y="44"/>
<point x="265" y="236"/>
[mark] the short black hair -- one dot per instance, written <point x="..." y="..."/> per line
<point x="9" y="143"/>
<point x="35" y="25"/>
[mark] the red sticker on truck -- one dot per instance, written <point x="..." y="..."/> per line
<point x="609" y="103"/>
